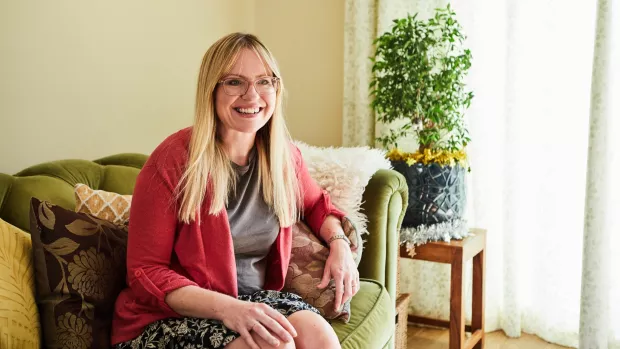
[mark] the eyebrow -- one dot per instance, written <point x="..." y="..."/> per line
<point x="246" y="77"/>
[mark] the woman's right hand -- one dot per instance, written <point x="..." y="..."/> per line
<point x="246" y="317"/>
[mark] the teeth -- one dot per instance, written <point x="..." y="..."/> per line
<point x="248" y="110"/>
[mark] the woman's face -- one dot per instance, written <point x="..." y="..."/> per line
<point x="248" y="112"/>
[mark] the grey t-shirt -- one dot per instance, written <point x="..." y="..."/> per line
<point x="253" y="225"/>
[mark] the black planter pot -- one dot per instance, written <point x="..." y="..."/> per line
<point x="436" y="193"/>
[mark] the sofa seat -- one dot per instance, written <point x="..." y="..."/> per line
<point x="372" y="318"/>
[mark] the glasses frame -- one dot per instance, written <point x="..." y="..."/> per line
<point x="275" y="80"/>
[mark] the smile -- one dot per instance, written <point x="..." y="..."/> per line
<point x="249" y="111"/>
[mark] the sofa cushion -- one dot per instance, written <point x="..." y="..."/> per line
<point x="79" y="264"/>
<point x="340" y="172"/>
<point x="372" y="320"/>
<point x="102" y="204"/>
<point x="305" y="270"/>
<point x="19" y="316"/>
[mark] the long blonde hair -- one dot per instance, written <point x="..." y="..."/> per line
<point x="208" y="166"/>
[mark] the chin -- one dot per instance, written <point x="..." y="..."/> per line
<point x="250" y="128"/>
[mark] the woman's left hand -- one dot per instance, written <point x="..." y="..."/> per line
<point x="341" y="267"/>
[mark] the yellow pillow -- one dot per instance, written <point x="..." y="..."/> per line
<point x="108" y="206"/>
<point x="19" y="316"/>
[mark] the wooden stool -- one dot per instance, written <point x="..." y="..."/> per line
<point x="456" y="253"/>
<point x="402" y="304"/>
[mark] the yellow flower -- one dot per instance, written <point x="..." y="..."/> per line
<point x="73" y="332"/>
<point x="91" y="273"/>
<point x="438" y="156"/>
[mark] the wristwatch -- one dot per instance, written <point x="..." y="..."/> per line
<point x="339" y="236"/>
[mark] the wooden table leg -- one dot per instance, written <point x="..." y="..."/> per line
<point x="477" y="321"/>
<point x="457" y="315"/>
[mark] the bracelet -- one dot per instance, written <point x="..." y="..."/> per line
<point x="339" y="236"/>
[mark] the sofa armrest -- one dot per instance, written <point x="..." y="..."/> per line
<point x="384" y="203"/>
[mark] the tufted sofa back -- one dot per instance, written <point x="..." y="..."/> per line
<point x="54" y="181"/>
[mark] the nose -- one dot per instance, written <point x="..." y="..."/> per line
<point x="251" y="93"/>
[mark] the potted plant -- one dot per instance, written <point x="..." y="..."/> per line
<point x="418" y="91"/>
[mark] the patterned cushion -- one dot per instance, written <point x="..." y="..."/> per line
<point x="305" y="269"/>
<point x="105" y="205"/>
<point x="19" y="316"/>
<point x="79" y="263"/>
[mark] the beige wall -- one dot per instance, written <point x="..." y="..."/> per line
<point x="307" y="38"/>
<point x="89" y="79"/>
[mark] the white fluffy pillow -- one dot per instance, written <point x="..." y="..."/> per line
<point x="344" y="173"/>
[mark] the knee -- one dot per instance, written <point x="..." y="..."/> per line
<point x="287" y="345"/>
<point x="313" y="331"/>
<point x="283" y="345"/>
<point x="325" y="339"/>
<point x="264" y="345"/>
<point x="240" y="343"/>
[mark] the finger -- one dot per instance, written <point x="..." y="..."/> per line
<point x="326" y="277"/>
<point x="356" y="283"/>
<point x="276" y="327"/>
<point x="347" y="289"/>
<point x="261" y="331"/>
<point x="339" y="292"/>
<point x="356" y="288"/>
<point x="282" y="320"/>
<point x="247" y="337"/>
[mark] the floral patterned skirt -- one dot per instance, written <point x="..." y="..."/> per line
<point x="205" y="333"/>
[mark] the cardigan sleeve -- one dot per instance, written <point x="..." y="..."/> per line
<point x="152" y="227"/>
<point x="317" y="204"/>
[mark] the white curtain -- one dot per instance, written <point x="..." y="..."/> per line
<point x="544" y="156"/>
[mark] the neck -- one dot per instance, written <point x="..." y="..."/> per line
<point x="238" y="146"/>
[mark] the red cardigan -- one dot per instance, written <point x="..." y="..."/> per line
<point x="164" y="254"/>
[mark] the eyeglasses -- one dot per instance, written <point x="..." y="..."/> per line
<point x="264" y="85"/>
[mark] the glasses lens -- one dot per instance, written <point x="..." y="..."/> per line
<point x="235" y="87"/>
<point x="265" y="85"/>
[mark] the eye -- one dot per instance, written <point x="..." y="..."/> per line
<point x="233" y="82"/>
<point x="264" y="81"/>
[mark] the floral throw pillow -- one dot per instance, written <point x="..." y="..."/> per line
<point x="305" y="269"/>
<point x="79" y="263"/>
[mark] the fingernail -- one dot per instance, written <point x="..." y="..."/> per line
<point x="275" y="343"/>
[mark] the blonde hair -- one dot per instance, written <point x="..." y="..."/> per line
<point x="208" y="166"/>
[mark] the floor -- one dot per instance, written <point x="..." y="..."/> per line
<point x="428" y="338"/>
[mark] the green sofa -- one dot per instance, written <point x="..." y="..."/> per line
<point x="372" y="323"/>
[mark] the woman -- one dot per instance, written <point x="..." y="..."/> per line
<point x="210" y="227"/>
